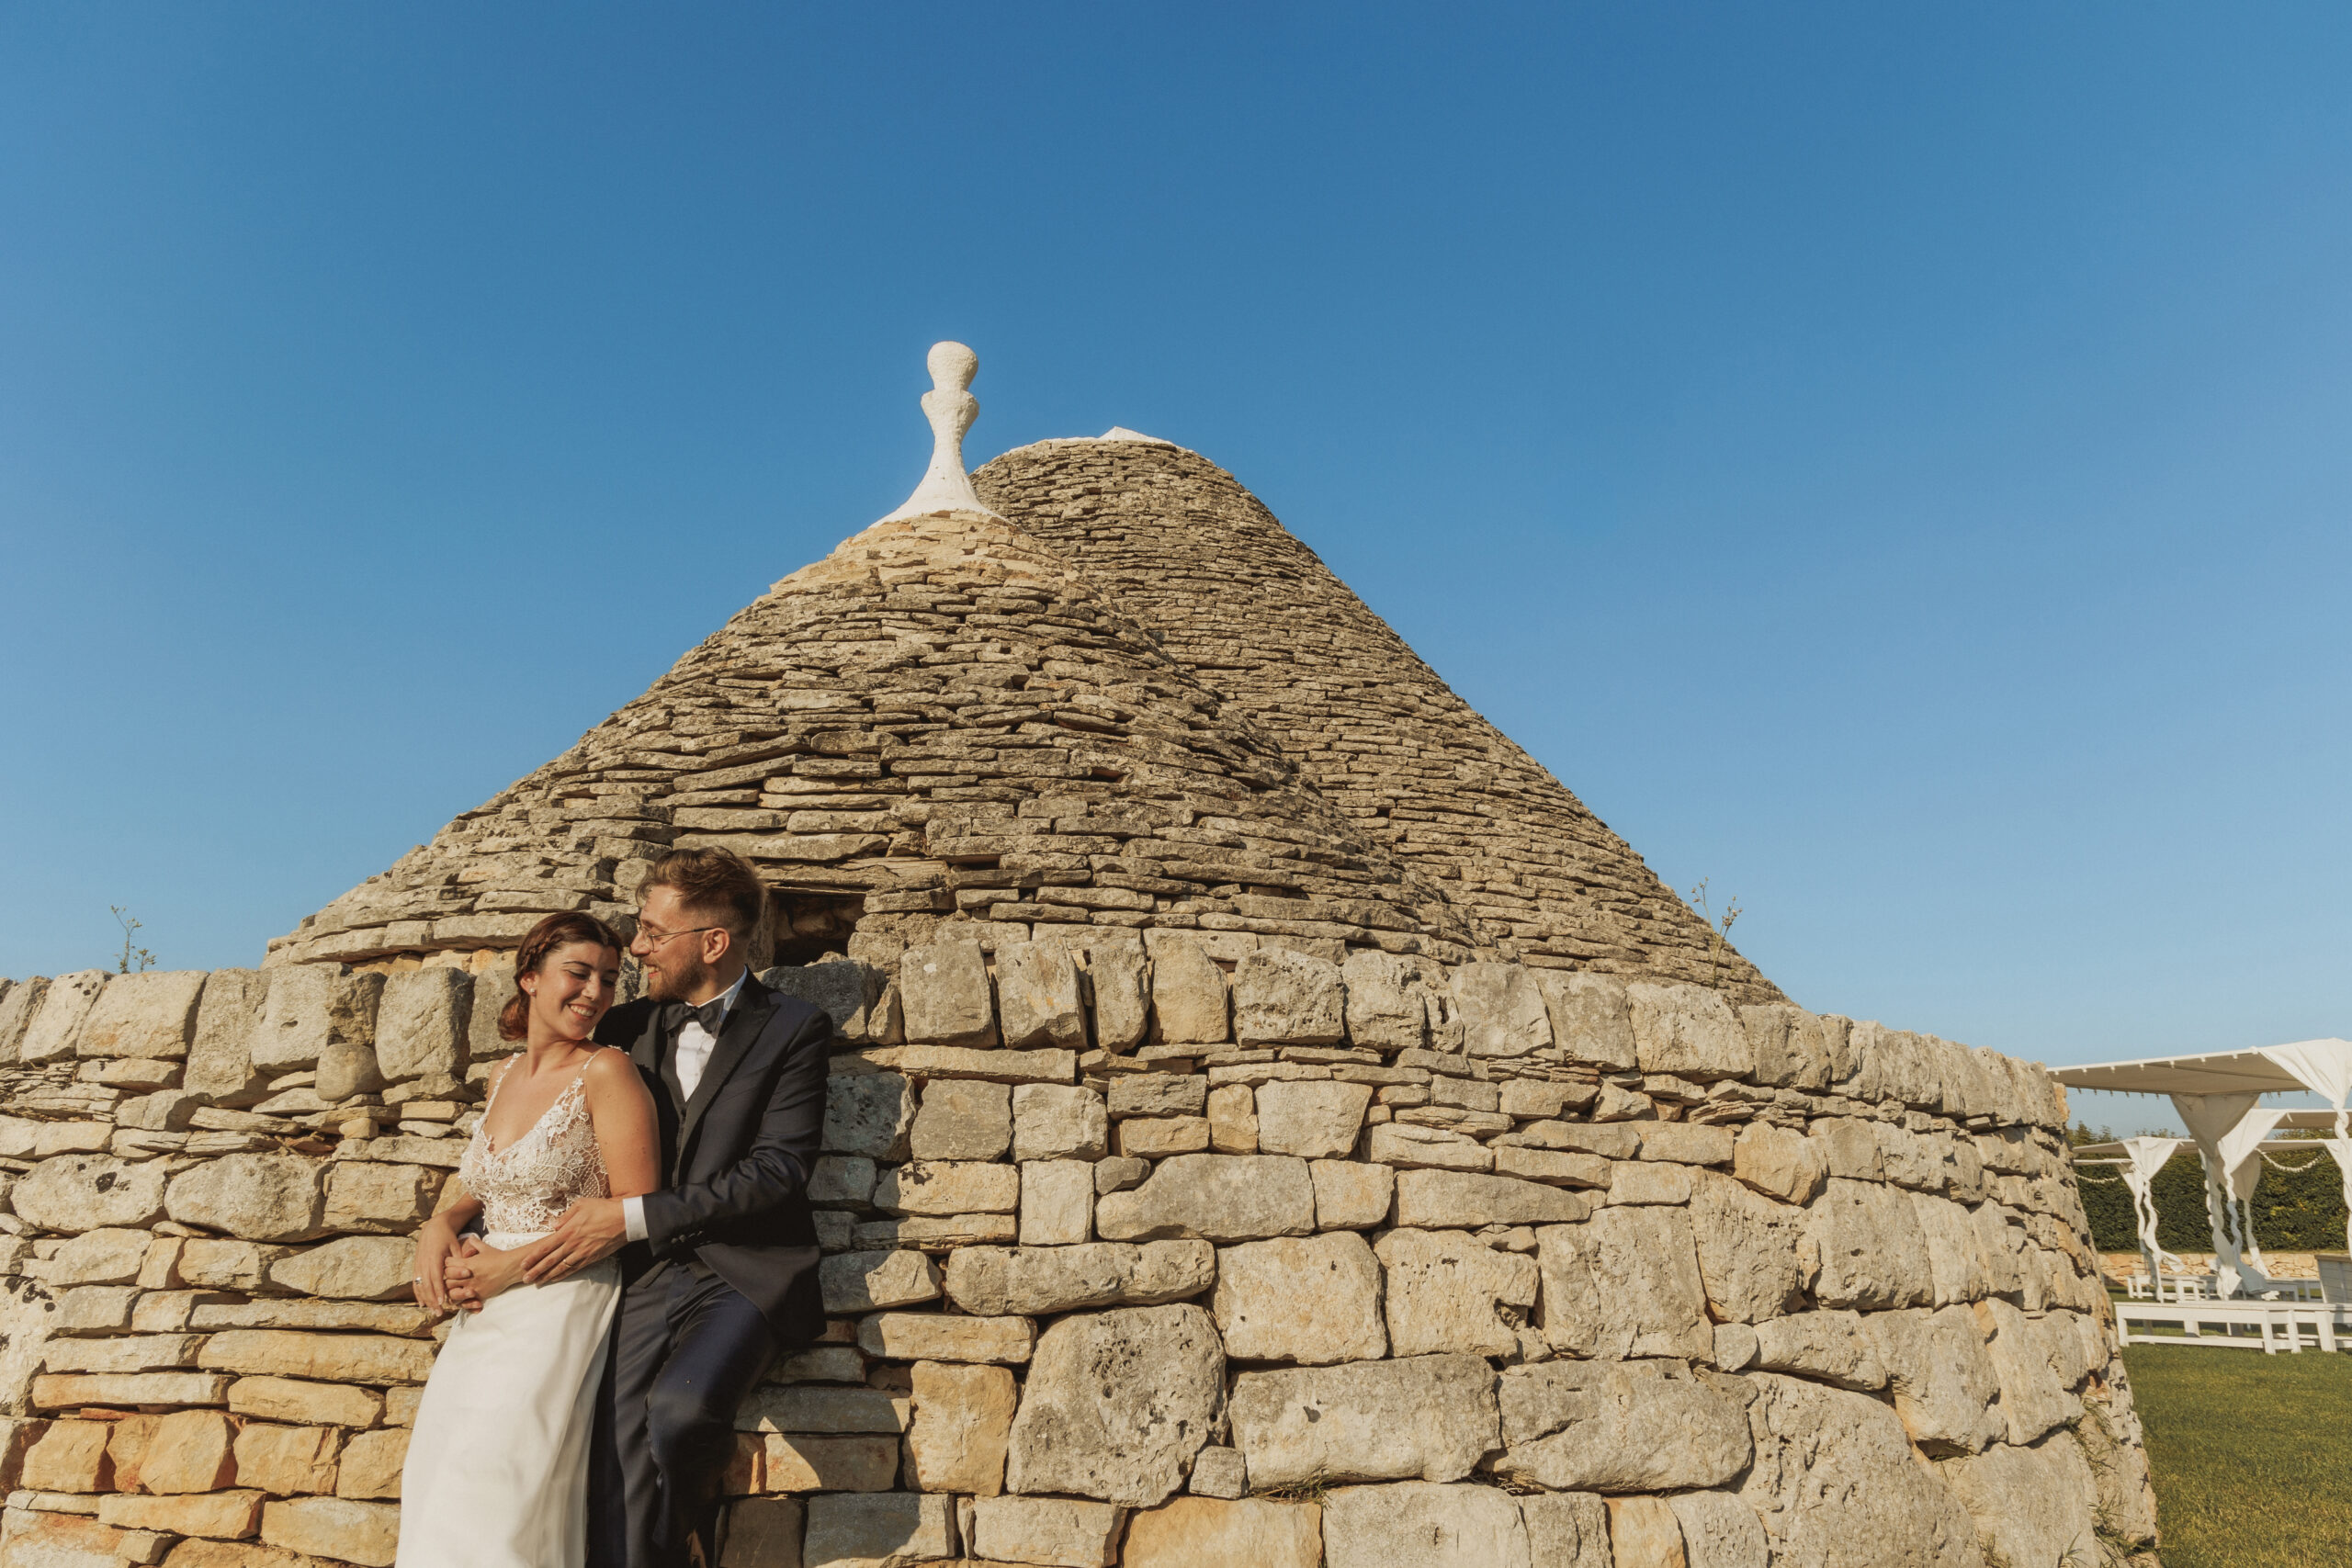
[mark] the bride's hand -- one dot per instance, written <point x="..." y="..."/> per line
<point x="480" y="1272"/>
<point x="437" y="1249"/>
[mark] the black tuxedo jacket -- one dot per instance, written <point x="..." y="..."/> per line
<point x="737" y="1156"/>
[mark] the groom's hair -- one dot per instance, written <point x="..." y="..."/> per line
<point x="717" y="885"/>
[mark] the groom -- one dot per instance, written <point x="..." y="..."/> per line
<point x="720" y="1262"/>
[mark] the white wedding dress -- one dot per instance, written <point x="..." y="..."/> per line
<point x="497" y="1472"/>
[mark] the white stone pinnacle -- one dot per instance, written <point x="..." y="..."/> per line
<point x="951" y="408"/>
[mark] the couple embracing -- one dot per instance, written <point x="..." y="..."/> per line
<point x="626" y="1241"/>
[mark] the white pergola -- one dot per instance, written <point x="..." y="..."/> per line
<point x="2218" y="1097"/>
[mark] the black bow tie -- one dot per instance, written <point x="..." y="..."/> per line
<point x="707" y="1015"/>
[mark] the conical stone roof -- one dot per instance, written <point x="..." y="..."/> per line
<point x="1131" y="701"/>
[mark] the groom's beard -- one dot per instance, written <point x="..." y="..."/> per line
<point x="676" y="983"/>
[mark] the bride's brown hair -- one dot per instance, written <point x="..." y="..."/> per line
<point x="556" y="931"/>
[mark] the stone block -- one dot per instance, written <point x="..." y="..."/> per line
<point x="346" y="1070"/>
<point x="304" y="1404"/>
<point x="87" y="1192"/>
<point x="19" y="1002"/>
<point x="2029" y="1504"/>
<point x="1385" y="1010"/>
<point x="1778" y="1162"/>
<point x="1281" y="998"/>
<point x="1618" y="1426"/>
<point x="1405" y="1148"/>
<point x="1606" y="1140"/>
<point x="949" y="1186"/>
<point x="266" y="1198"/>
<point x="1945" y="1386"/>
<point x="1054" y="1533"/>
<point x="839" y="990"/>
<point x="71" y="1456"/>
<point x="1502" y="1010"/>
<point x="871" y="1114"/>
<point x="132" y="1353"/>
<point x="1059" y="1121"/>
<point x="1623" y="1283"/>
<point x="492" y="989"/>
<point x="43" y="1540"/>
<point x="1848" y="1147"/>
<point x="1188" y="992"/>
<point x="802" y="1461"/>
<point x="870" y="1281"/>
<point x="878" y="1529"/>
<point x="1219" y="1198"/>
<point x="803" y="1407"/>
<point x="1791" y="1046"/>
<point x="371" y="1465"/>
<point x="1833" y="1346"/>
<point x="356" y="1268"/>
<point x="339" y="1528"/>
<point x="1441" y="1200"/>
<point x="99" y="1258"/>
<point x="328" y="1358"/>
<point x="1685" y="1142"/>
<point x="1868" y="1248"/>
<point x="1645" y="1533"/>
<point x="1158" y="1094"/>
<point x="1119" y="978"/>
<point x="310" y="1006"/>
<point x="421" y="1023"/>
<point x="843" y="1181"/>
<point x="1748" y="1250"/>
<point x="56" y="1029"/>
<point x="1565" y="1530"/>
<point x="1116" y="1404"/>
<point x="763" y="1532"/>
<point x="1117" y="1174"/>
<point x="288" y="1461"/>
<point x="2032" y="1402"/>
<point x="1313" y="1120"/>
<point x="380" y="1197"/>
<point x="1418" y="1524"/>
<point x="963" y="1119"/>
<point x="1648" y="1182"/>
<point x="962" y="1420"/>
<point x="1592" y="1020"/>
<point x="1312" y="1299"/>
<point x="1687" y="1031"/>
<point x="1056" y="1201"/>
<point x="1447" y="1290"/>
<point x="1233" y="1119"/>
<point x="1037" y="995"/>
<point x="1955" y="1259"/>
<point x="943" y="990"/>
<point x="228" y="1265"/>
<point x="1208" y="1533"/>
<point x="219" y="1516"/>
<point x="1220" y="1473"/>
<point x="1158" y="1137"/>
<point x="151" y="1014"/>
<point x="95" y="1309"/>
<point x="1351" y="1196"/>
<point x="1834" y="1482"/>
<point x="990" y="1281"/>
<point x="1431" y="1418"/>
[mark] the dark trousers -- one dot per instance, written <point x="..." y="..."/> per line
<point x="687" y="1350"/>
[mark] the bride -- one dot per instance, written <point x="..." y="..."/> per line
<point x="497" y="1470"/>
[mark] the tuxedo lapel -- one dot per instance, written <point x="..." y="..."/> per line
<point x="744" y="1021"/>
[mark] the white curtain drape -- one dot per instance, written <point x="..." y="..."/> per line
<point x="2324" y="1067"/>
<point x="2229" y="1129"/>
<point x="2143" y="1156"/>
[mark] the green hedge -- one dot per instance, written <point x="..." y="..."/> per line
<point x="2298" y="1211"/>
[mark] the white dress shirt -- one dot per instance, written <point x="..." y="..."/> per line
<point x="693" y="1048"/>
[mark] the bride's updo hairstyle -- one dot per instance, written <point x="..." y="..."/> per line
<point x="556" y="931"/>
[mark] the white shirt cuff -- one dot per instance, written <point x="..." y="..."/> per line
<point x="633" y="1218"/>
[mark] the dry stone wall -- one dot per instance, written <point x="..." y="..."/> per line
<point x="1149" y="1248"/>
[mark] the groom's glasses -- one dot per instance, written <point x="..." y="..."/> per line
<point x="653" y="936"/>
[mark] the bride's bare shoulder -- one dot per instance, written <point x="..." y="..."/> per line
<point x="611" y="1071"/>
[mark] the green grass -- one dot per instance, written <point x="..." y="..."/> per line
<point x="2252" y="1454"/>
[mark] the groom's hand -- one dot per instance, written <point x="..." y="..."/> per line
<point x="591" y="1231"/>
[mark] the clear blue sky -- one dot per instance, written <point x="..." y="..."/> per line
<point x="1890" y="462"/>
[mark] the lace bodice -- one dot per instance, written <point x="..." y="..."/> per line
<point x="526" y="1187"/>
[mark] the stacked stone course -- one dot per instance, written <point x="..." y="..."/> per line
<point x="1154" y="1247"/>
